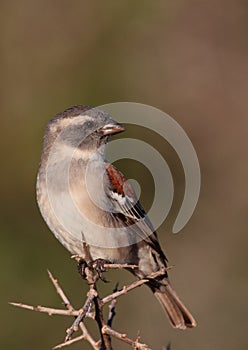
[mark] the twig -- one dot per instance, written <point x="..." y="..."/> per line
<point x="106" y="332"/>
<point x="92" y="294"/>
<point x="60" y="291"/>
<point x="105" y="338"/>
<point x="47" y="310"/>
<point x="106" y="265"/>
<point x="112" y="312"/>
<point x="69" y="342"/>
<point x="86" y="335"/>
<point x="123" y="337"/>
<point x="134" y="285"/>
<point x="119" y="266"/>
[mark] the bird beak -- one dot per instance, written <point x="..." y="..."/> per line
<point x="111" y="129"/>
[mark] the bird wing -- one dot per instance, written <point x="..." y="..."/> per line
<point x="128" y="210"/>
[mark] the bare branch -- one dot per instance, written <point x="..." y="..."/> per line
<point x="47" y="310"/>
<point x="60" y="291"/>
<point x="86" y="335"/>
<point x="134" y="285"/>
<point x="69" y="342"/>
<point x="106" y="265"/>
<point x="123" y="337"/>
<point x="106" y="332"/>
<point x="92" y="294"/>
<point x="112" y="312"/>
<point x="119" y="266"/>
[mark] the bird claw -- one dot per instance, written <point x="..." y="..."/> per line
<point x="81" y="266"/>
<point x="98" y="265"/>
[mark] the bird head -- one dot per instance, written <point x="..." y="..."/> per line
<point x="82" y="127"/>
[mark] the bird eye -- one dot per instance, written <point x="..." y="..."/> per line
<point x="89" y="124"/>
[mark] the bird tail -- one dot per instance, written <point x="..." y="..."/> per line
<point x="178" y="314"/>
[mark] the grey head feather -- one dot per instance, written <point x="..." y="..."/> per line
<point x="77" y="127"/>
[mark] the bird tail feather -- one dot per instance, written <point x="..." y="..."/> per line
<point x="177" y="313"/>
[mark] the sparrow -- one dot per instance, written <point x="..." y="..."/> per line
<point x="82" y="197"/>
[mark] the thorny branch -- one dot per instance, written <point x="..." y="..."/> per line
<point x="93" y="298"/>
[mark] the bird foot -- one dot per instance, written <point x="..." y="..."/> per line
<point x="98" y="266"/>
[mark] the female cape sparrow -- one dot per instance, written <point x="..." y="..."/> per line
<point x="83" y="197"/>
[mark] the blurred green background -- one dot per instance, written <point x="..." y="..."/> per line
<point x="187" y="58"/>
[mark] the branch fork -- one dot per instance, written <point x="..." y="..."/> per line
<point x="105" y="327"/>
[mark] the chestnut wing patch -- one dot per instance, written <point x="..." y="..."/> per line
<point x="119" y="183"/>
<point x="129" y="210"/>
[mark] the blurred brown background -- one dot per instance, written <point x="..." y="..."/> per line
<point x="188" y="58"/>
